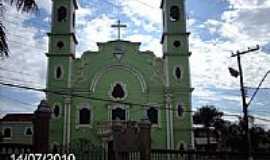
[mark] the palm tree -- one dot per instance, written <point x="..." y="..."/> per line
<point x="21" y="6"/>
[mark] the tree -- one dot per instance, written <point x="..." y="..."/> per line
<point x="207" y="116"/>
<point x="21" y="6"/>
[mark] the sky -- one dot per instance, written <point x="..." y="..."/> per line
<point x="218" y="29"/>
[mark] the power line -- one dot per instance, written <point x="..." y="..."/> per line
<point x="18" y="81"/>
<point x="146" y="4"/>
<point x="106" y="100"/>
<point x="18" y="72"/>
<point x="16" y="100"/>
<point x="87" y="97"/>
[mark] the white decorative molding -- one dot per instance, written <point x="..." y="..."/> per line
<point x="179" y="144"/>
<point x="157" y="107"/>
<point x="181" y="70"/>
<point x="128" y="68"/>
<point x="124" y="87"/>
<point x="55" y="72"/>
<point x="77" y="119"/>
<point x="60" y="110"/>
<point x="184" y="109"/>
<point x="25" y="130"/>
<point x="117" y="105"/>
<point x="11" y="132"/>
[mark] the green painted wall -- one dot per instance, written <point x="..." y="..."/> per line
<point x="146" y="79"/>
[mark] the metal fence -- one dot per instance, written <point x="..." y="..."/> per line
<point x="91" y="152"/>
<point x="204" y="155"/>
<point x="6" y="150"/>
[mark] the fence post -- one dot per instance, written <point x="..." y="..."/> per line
<point x="41" y="128"/>
<point x="145" y="136"/>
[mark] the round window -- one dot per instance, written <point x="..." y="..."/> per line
<point x="60" y="44"/>
<point x="176" y="44"/>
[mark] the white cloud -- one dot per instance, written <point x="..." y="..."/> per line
<point x="96" y="30"/>
<point x="45" y="4"/>
<point x="142" y="11"/>
<point x="27" y="62"/>
<point x="245" y="24"/>
<point x="148" y="43"/>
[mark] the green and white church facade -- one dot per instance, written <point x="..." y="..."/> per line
<point x="115" y="82"/>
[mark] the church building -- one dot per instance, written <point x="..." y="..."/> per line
<point x="119" y="82"/>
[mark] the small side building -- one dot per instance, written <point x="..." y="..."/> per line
<point x="16" y="132"/>
<point x="204" y="138"/>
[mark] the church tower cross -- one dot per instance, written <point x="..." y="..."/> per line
<point x="119" y="26"/>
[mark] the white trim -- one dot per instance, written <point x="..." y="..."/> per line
<point x="124" y="87"/>
<point x="181" y="70"/>
<point x="128" y="68"/>
<point x="60" y="110"/>
<point x="54" y="144"/>
<point x="25" y="130"/>
<point x="68" y="124"/>
<point x="56" y="14"/>
<point x="65" y="125"/>
<point x="55" y="72"/>
<point x="184" y="109"/>
<point x="169" y="14"/>
<point x="157" y="107"/>
<point x="117" y="105"/>
<point x="80" y="107"/>
<point x="172" y="127"/>
<point x="179" y="143"/>
<point x="11" y="133"/>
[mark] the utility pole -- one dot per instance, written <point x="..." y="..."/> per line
<point x="244" y="101"/>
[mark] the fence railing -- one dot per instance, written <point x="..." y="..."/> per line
<point x="6" y="150"/>
<point x="99" y="153"/>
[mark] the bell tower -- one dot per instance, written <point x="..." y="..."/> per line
<point x="178" y="86"/>
<point x="61" y="54"/>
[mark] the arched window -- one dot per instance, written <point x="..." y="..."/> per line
<point x="180" y="109"/>
<point x="7" y="133"/>
<point x="178" y="72"/>
<point x="152" y="115"/>
<point x="85" y="114"/>
<point x="174" y="13"/>
<point x="61" y="14"/>
<point x="28" y="131"/>
<point x="59" y="72"/>
<point x="118" y="91"/>
<point x="118" y="114"/>
<point x="56" y="111"/>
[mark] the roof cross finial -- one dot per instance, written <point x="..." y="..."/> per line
<point x="119" y="26"/>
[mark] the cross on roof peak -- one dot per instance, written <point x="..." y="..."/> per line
<point x="119" y="26"/>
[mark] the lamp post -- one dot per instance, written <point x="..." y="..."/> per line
<point x="235" y="74"/>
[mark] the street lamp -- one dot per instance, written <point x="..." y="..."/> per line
<point x="235" y="73"/>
